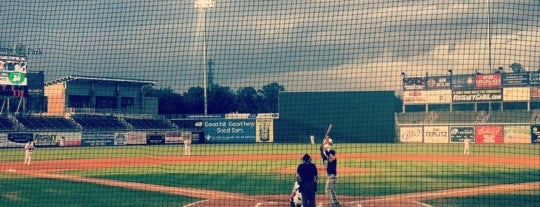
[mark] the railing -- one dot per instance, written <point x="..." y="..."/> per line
<point x="108" y="111"/>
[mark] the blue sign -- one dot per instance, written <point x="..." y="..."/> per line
<point x="229" y="130"/>
<point x="534" y="78"/>
<point x="535" y="134"/>
<point x="155" y="139"/>
<point x="463" y="82"/>
<point x="438" y="82"/>
<point x="515" y="79"/>
<point x="20" y="137"/>
<point x="97" y="139"/>
<point x="460" y="133"/>
<point x="416" y="83"/>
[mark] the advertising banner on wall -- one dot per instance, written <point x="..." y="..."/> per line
<point x="155" y="138"/>
<point x="517" y="94"/>
<point x="97" y="139"/>
<point x="136" y="138"/>
<point x="461" y="82"/>
<point x="20" y="137"/>
<point x="120" y="138"/>
<point x="477" y="95"/>
<point x="489" y="134"/>
<point x="5" y="142"/>
<point x="416" y="83"/>
<point x="439" y="97"/>
<point x="264" y="130"/>
<point x="267" y="116"/>
<point x="436" y="134"/>
<point x="535" y="93"/>
<point x="535" y="134"/>
<point x="60" y="139"/>
<point x="45" y="140"/>
<point x="13" y="70"/>
<point x="488" y="80"/>
<point x="460" y="133"/>
<point x="517" y="134"/>
<point x="414" y="97"/>
<point x="438" y="82"/>
<point x="515" y="79"/>
<point x="229" y="130"/>
<point x="534" y="78"/>
<point x="237" y="116"/>
<point x="174" y="137"/>
<point x="424" y="97"/>
<point x="410" y="134"/>
<point x="70" y="139"/>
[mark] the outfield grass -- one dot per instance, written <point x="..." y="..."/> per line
<point x="258" y="177"/>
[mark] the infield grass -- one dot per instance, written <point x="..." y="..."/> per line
<point x="527" y="198"/>
<point x="25" y="192"/>
<point x="254" y="178"/>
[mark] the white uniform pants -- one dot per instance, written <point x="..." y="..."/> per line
<point x="329" y="190"/>
<point x="28" y="157"/>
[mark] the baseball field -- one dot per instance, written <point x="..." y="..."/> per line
<point x="263" y="175"/>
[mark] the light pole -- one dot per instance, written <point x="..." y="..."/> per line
<point x="489" y="34"/>
<point x="450" y="71"/>
<point x="403" y="76"/>
<point x="202" y="5"/>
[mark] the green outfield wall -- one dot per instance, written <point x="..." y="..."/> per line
<point x="356" y="116"/>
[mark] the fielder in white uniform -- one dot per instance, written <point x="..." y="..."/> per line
<point x="28" y="148"/>
<point x="187" y="146"/>
<point x="466" y="146"/>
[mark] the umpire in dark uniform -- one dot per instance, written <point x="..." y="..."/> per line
<point x="307" y="174"/>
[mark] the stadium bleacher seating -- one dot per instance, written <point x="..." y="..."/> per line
<point x="99" y="123"/>
<point x="411" y="117"/>
<point x="149" y="124"/>
<point x="455" y="117"/>
<point x="46" y="123"/>
<point x="511" y="116"/>
<point x="6" y="124"/>
<point x="445" y="117"/>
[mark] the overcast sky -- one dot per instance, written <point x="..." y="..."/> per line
<point x="305" y="45"/>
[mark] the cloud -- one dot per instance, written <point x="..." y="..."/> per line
<point x="307" y="45"/>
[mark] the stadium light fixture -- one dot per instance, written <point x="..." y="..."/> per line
<point x="403" y="91"/>
<point x="204" y="4"/>
<point x="488" y="7"/>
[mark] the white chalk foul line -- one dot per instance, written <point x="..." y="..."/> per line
<point x="193" y="204"/>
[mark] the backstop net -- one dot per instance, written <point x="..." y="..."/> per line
<point x="218" y="102"/>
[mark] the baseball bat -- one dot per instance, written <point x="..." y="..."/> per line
<point x="328" y="131"/>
